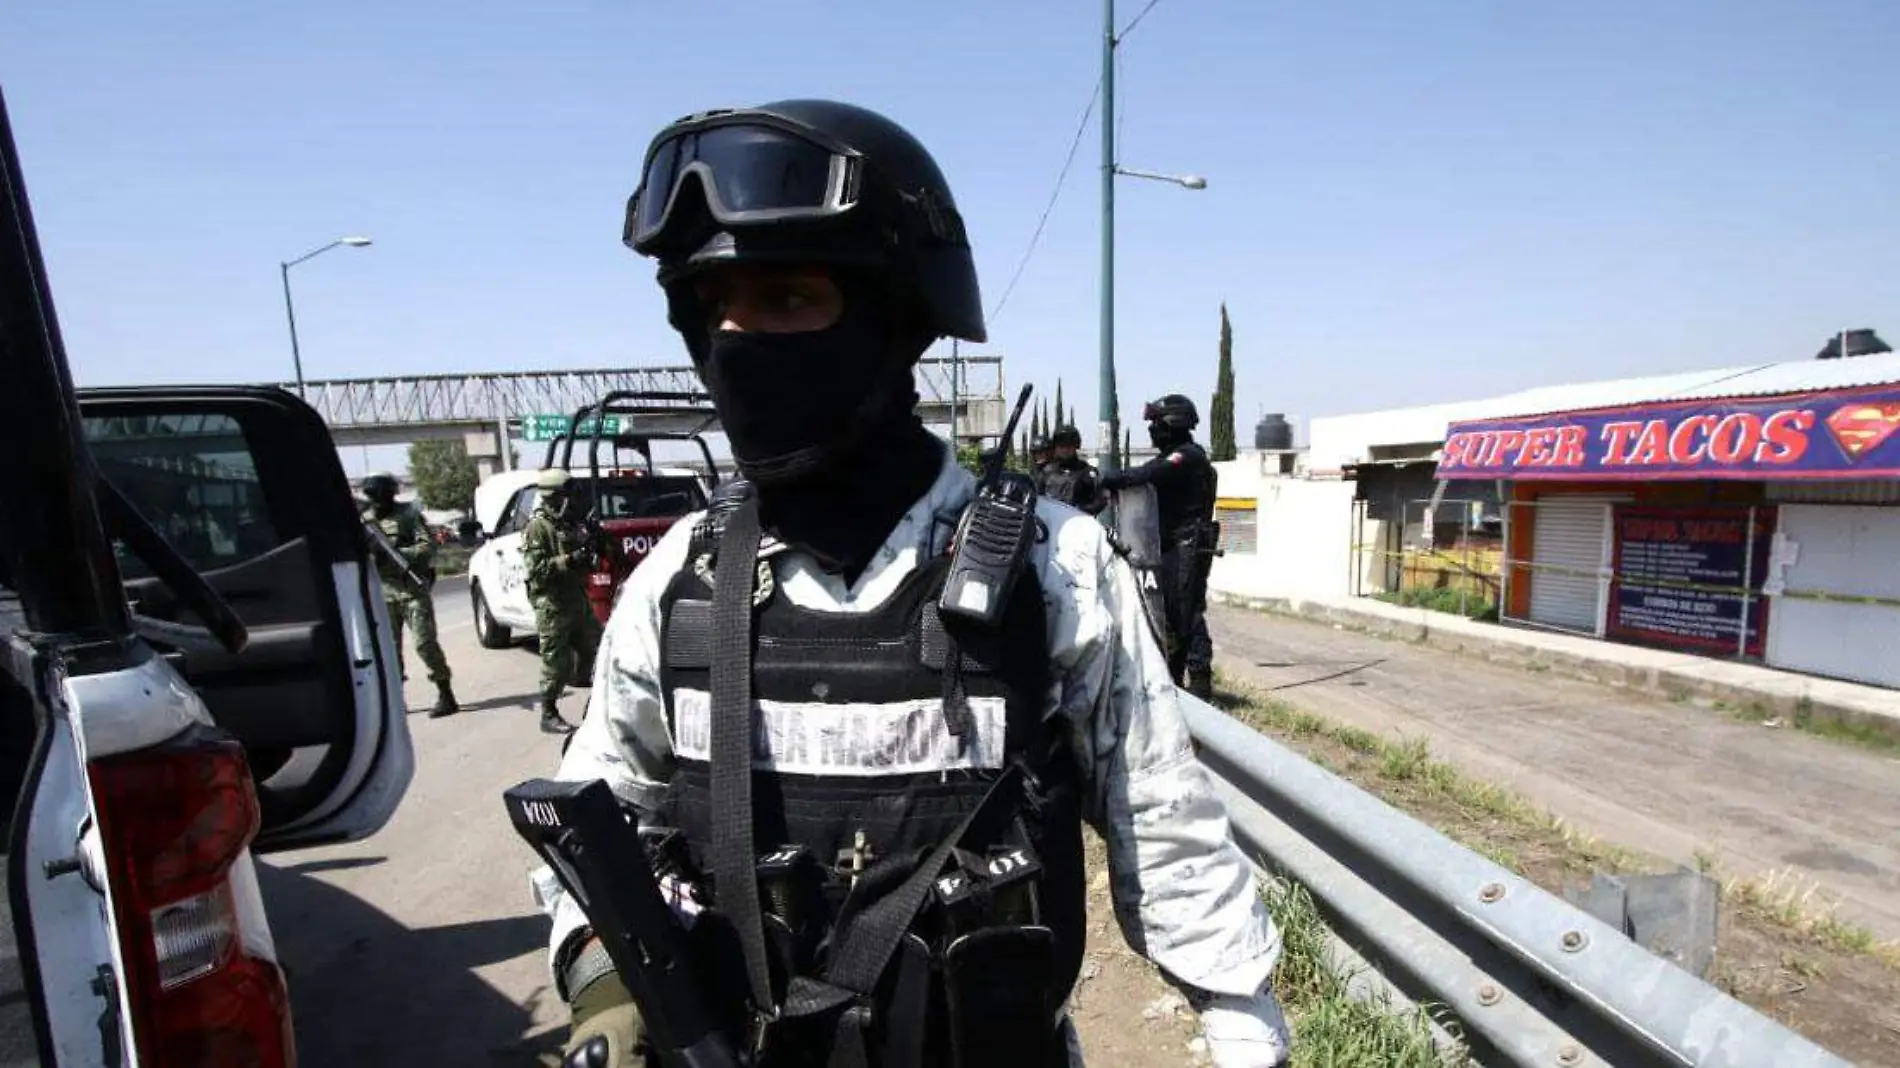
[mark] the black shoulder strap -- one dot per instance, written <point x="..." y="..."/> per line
<point x="734" y="860"/>
<point x="867" y="937"/>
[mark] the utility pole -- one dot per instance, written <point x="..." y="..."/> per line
<point x="955" y="353"/>
<point x="1110" y="410"/>
<point x="1109" y="413"/>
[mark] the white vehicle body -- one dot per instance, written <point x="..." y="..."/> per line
<point x="498" y="592"/>
<point x="195" y="665"/>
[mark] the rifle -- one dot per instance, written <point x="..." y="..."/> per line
<point x="379" y="542"/>
<point x="582" y="834"/>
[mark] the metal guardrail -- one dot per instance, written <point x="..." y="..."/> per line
<point x="1531" y="979"/>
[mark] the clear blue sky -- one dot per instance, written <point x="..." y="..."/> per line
<point x="1408" y="202"/>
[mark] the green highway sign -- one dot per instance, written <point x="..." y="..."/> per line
<point x="545" y="427"/>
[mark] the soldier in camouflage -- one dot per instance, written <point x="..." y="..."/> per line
<point x="557" y="564"/>
<point x="405" y="530"/>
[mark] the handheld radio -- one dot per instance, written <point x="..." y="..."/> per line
<point x="993" y="537"/>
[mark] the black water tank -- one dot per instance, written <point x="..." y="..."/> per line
<point x="1272" y="432"/>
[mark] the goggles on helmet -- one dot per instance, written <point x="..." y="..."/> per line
<point x="751" y="169"/>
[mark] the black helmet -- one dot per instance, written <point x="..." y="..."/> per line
<point x="1066" y="435"/>
<point x="1173" y="412"/>
<point x="380" y="488"/>
<point x="1040" y="445"/>
<point x="807" y="181"/>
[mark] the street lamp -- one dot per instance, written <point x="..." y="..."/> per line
<point x="1109" y="410"/>
<point x="1185" y="181"/>
<point x="290" y="311"/>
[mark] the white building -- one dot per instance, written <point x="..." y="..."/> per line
<point x="1746" y="512"/>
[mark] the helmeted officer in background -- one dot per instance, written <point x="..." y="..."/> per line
<point x="1185" y="486"/>
<point x="1039" y="453"/>
<point x="557" y="563"/>
<point x="810" y="252"/>
<point x="1065" y="476"/>
<point x="405" y="531"/>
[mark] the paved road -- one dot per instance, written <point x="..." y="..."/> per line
<point x="422" y="945"/>
<point x="1669" y="779"/>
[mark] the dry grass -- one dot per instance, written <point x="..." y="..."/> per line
<point x="1781" y="898"/>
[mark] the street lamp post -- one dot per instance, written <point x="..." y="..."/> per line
<point x="1109" y="409"/>
<point x="290" y="311"/>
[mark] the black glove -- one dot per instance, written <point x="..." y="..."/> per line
<point x="1113" y="482"/>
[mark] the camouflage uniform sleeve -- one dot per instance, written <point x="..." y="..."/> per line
<point x="541" y="553"/>
<point x="1183" y="892"/>
<point x="417" y="547"/>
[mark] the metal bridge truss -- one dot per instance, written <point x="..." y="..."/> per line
<point x="407" y="407"/>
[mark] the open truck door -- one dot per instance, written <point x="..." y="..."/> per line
<point x="159" y="722"/>
<point x="245" y="484"/>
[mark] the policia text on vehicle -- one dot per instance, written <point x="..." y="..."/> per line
<point x="826" y="761"/>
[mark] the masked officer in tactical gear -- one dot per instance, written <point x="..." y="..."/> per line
<point x="810" y="252"/>
<point x="1185" y="484"/>
<point x="557" y="564"/>
<point x="1040" y="451"/>
<point x="405" y="531"/>
<point x="1065" y="476"/>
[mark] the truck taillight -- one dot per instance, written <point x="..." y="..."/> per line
<point x="173" y="820"/>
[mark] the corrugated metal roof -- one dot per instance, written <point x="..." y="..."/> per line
<point x="1805" y="376"/>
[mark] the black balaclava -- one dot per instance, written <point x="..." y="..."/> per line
<point x="825" y="425"/>
<point x="1163" y="436"/>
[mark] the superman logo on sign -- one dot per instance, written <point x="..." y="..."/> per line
<point x="1861" y="428"/>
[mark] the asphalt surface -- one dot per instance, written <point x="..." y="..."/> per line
<point x="1670" y="779"/>
<point x="422" y="945"/>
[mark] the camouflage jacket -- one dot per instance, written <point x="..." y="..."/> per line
<point x="406" y="531"/>
<point x="547" y="548"/>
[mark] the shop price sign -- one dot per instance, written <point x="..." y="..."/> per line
<point x="1678" y="576"/>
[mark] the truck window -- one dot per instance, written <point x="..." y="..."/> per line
<point x="193" y="477"/>
<point x="653" y="497"/>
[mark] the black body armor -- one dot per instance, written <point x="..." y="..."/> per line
<point x="869" y="776"/>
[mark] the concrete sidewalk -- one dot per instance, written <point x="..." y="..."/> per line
<point x="1655" y="672"/>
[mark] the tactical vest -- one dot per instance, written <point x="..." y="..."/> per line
<point x="1060" y="482"/>
<point x="1187" y="506"/>
<point x="867" y="779"/>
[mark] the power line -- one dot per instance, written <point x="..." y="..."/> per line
<point x="1080" y="129"/>
<point x="1130" y="28"/>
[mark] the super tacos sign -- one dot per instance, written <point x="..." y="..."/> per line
<point x="1819" y="435"/>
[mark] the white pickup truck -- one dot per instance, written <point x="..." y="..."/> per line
<point x="197" y="668"/>
<point x="635" y="509"/>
